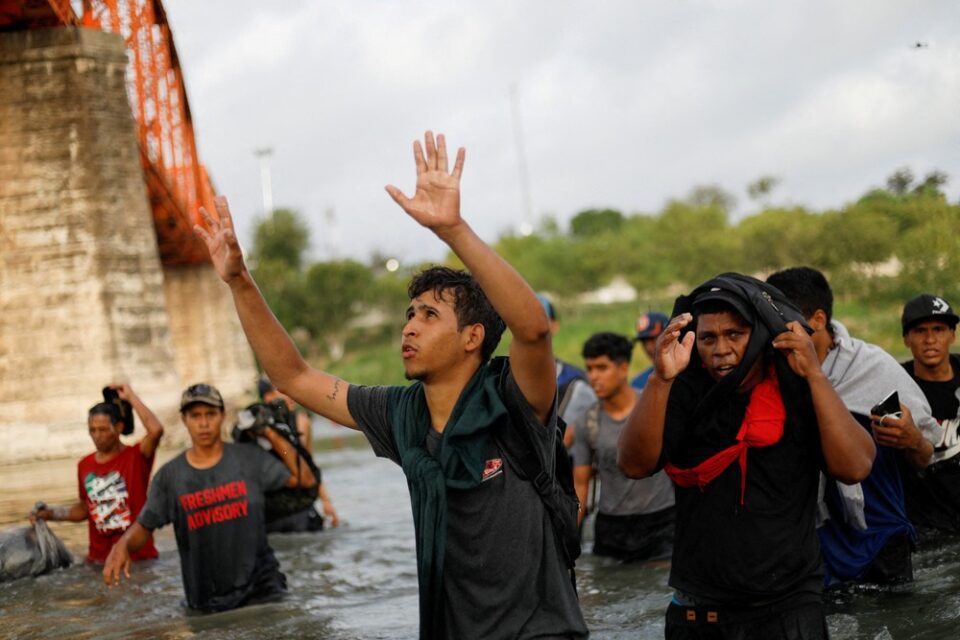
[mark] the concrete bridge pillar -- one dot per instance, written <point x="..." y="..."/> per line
<point x="84" y="298"/>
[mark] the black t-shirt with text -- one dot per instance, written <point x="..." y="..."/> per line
<point x="942" y="396"/>
<point x="933" y="494"/>
<point x="218" y="519"/>
<point x="766" y="549"/>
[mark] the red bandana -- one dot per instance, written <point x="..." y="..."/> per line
<point x="762" y="426"/>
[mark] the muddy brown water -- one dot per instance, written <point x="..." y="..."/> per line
<point x="359" y="581"/>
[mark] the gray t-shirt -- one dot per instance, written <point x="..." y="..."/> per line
<point x="218" y="519"/>
<point x="619" y="495"/>
<point x="503" y="574"/>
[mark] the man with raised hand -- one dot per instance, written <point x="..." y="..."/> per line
<point x="741" y="417"/>
<point x="112" y="480"/>
<point x="489" y="561"/>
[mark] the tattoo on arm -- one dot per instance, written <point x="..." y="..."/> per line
<point x="332" y="396"/>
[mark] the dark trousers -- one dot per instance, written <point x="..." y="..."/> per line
<point x="774" y="622"/>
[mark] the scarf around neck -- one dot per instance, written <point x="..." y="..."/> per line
<point x="762" y="426"/>
<point x="457" y="464"/>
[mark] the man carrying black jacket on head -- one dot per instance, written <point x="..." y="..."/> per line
<point x="741" y="417"/>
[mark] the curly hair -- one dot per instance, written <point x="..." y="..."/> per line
<point x="470" y="303"/>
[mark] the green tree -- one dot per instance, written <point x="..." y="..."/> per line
<point x="282" y="237"/>
<point x="590" y="222"/>
<point x="711" y="195"/>
<point x="336" y="293"/>
<point x="899" y="181"/>
<point x="778" y="238"/>
<point x="761" y="188"/>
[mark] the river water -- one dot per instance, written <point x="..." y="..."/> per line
<point x="359" y="580"/>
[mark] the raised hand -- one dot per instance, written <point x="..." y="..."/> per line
<point x="798" y="347"/>
<point x="221" y="240"/>
<point x="436" y="202"/>
<point x="673" y="354"/>
<point x="124" y="391"/>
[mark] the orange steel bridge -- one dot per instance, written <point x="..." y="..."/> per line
<point x="177" y="183"/>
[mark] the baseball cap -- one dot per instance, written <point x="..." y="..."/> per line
<point x="205" y="393"/>
<point x="927" y="307"/>
<point x="264" y="386"/>
<point x="728" y="297"/>
<point x="547" y="306"/>
<point x="651" y="324"/>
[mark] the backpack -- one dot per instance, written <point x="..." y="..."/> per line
<point x="275" y="415"/>
<point x="556" y="490"/>
<point x="568" y="375"/>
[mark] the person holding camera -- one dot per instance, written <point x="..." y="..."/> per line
<point x="213" y="493"/>
<point x="112" y="481"/>
<point x="865" y="533"/>
<point x="281" y="517"/>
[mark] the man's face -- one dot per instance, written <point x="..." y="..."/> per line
<point x="203" y="422"/>
<point x="431" y="341"/>
<point x="721" y="341"/>
<point x="105" y="434"/>
<point x="930" y="341"/>
<point x="606" y="376"/>
<point x="649" y="347"/>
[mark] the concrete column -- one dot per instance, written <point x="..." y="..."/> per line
<point x="82" y="298"/>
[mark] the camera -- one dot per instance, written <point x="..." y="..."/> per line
<point x="252" y="421"/>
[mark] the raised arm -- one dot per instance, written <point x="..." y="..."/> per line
<point x="148" y="446"/>
<point x="436" y="205"/>
<point x="848" y="449"/>
<point x="641" y="440"/>
<point x="317" y="390"/>
<point x="300" y="473"/>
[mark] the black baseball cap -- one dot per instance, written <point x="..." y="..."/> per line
<point x="204" y="393"/>
<point x="927" y="306"/>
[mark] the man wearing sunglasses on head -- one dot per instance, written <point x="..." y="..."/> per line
<point x="213" y="493"/>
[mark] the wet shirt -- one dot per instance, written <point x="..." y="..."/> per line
<point x="503" y="574"/>
<point x="114" y="493"/>
<point x="619" y="495"/>
<point x="766" y="549"/>
<point x="218" y="519"/>
<point x="933" y="495"/>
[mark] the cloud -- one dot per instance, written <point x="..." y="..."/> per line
<point x="622" y="104"/>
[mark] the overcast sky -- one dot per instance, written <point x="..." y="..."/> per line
<point x="621" y="104"/>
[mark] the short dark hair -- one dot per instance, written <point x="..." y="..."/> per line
<point x="105" y="409"/>
<point x="805" y="287"/>
<point x="470" y="303"/>
<point x="613" y="345"/>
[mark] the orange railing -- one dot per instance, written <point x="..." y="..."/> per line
<point x="177" y="183"/>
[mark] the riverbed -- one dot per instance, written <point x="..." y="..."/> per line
<point x="359" y="581"/>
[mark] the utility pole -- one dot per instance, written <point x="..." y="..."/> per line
<point x="526" y="227"/>
<point x="264" y="154"/>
